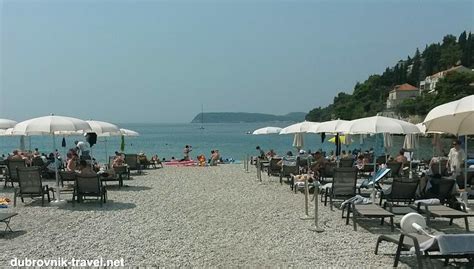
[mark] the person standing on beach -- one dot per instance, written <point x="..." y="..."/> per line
<point x="186" y="151"/>
<point x="456" y="158"/>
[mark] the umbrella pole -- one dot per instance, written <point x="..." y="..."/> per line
<point x="106" y="152"/>
<point x="466" y="190"/>
<point x="375" y="172"/>
<point x="58" y="187"/>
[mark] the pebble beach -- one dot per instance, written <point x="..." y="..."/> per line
<point x="199" y="217"/>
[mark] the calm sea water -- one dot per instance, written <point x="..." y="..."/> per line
<point x="168" y="140"/>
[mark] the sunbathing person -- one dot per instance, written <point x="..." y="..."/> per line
<point x="118" y="160"/>
<point x="71" y="162"/>
<point x="86" y="169"/>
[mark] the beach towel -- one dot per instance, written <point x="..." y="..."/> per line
<point x="358" y="200"/>
<point x="449" y="244"/>
<point x="433" y="201"/>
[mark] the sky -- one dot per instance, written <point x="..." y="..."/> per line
<point x="159" y="61"/>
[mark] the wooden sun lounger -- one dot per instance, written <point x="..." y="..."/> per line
<point x="441" y="211"/>
<point x="368" y="211"/>
<point x="5" y="218"/>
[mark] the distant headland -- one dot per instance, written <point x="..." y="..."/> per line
<point x="237" y="117"/>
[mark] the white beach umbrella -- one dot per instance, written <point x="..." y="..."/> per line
<point x="456" y="118"/>
<point x="127" y="132"/>
<point x="6" y="132"/>
<point x="326" y="127"/>
<point x="104" y="129"/>
<point x="5" y="124"/>
<point x="267" y="130"/>
<point x="301" y="127"/>
<point x="376" y="125"/>
<point x="52" y="125"/>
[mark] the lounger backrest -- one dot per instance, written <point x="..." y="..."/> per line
<point x="12" y="168"/>
<point x="302" y="161"/>
<point x="88" y="184"/>
<point x="131" y="160"/>
<point x="111" y="161"/>
<point x="445" y="189"/>
<point x="439" y="168"/>
<point x="67" y="175"/>
<point x="346" y="162"/>
<point x="394" y="167"/>
<point x="37" y="161"/>
<point x="381" y="159"/>
<point x="328" y="169"/>
<point x="344" y="181"/>
<point x="273" y="165"/>
<point x="288" y="170"/>
<point x="403" y="190"/>
<point x="29" y="180"/>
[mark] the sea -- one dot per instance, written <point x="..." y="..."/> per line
<point x="231" y="139"/>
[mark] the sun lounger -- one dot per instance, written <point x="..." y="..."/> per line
<point x="273" y="167"/>
<point x="89" y="186"/>
<point x="401" y="191"/>
<point x="12" y="165"/>
<point x="445" y="246"/>
<point x="30" y="185"/>
<point x="368" y="211"/>
<point x="343" y="185"/>
<point x="6" y="218"/>
<point x="442" y="211"/>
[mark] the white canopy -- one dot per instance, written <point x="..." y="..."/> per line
<point x="5" y="124"/>
<point x="51" y="125"/>
<point x="127" y="132"/>
<point x="301" y="127"/>
<point x="327" y="126"/>
<point x="102" y="128"/>
<point x="378" y="124"/>
<point x="455" y="117"/>
<point x="6" y="132"/>
<point x="267" y="130"/>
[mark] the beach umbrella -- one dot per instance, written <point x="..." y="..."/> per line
<point x="5" y="124"/>
<point x="456" y="118"/>
<point x="127" y="132"/>
<point x="377" y="125"/>
<point x="410" y="144"/>
<point x="267" y="130"/>
<point x="6" y="132"/>
<point x="298" y="141"/>
<point x="301" y="127"/>
<point x="52" y="125"/>
<point x="104" y="129"/>
<point x="326" y="127"/>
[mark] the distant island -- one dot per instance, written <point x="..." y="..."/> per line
<point x="237" y="117"/>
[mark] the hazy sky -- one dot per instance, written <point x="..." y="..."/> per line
<point x="158" y="61"/>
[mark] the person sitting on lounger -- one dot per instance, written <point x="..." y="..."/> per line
<point x="15" y="156"/>
<point x="71" y="161"/>
<point x="271" y="154"/>
<point x="360" y="162"/>
<point x="86" y="169"/>
<point x="118" y="160"/>
<point x="288" y="160"/>
<point x="401" y="158"/>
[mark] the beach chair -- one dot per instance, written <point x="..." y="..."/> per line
<point x="327" y="172"/>
<point x="67" y="176"/>
<point x="415" y="241"/>
<point x="374" y="180"/>
<point x="89" y="186"/>
<point x="12" y="166"/>
<point x="439" y="168"/>
<point x="441" y="211"/>
<point x="30" y="185"/>
<point x="273" y="168"/>
<point x="395" y="168"/>
<point x="6" y="218"/>
<point x="132" y="163"/>
<point x="368" y="211"/>
<point x="287" y="171"/>
<point x="346" y="162"/>
<point x="343" y="185"/>
<point x="401" y="191"/>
